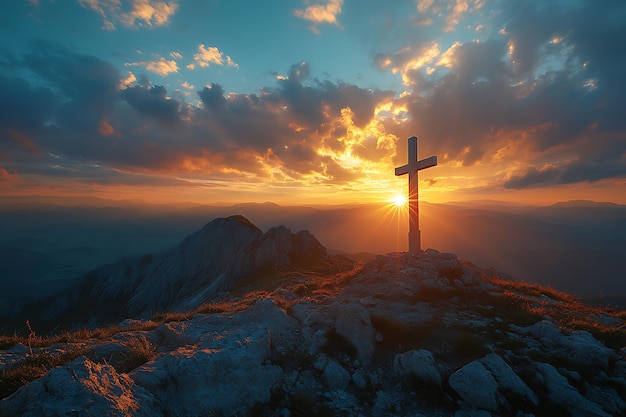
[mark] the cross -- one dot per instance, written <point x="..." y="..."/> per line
<point x="411" y="168"/>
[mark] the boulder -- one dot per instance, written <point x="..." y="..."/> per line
<point x="507" y="378"/>
<point x="81" y="388"/>
<point x="354" y="324"/>
<point x="610" y="399"/>
<point x="475" y="384"/>
<point x="579" y="346"/>
<point x="421" y="363"/>
<point x="336" y="376"/>
<point x="562" y="393"/>
<point x="198" y="381"/>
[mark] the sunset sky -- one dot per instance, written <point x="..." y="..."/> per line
<point x="302" y="102"/>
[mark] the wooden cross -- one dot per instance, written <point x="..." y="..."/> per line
<point x="411" y="168"/>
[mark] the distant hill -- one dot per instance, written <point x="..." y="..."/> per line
<point x="574" y="247"/>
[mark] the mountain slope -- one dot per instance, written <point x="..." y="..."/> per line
<point x="201" y="267"/>
<point x="425" y="335"/>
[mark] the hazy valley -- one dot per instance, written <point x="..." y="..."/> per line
<point x="576" y="247"/>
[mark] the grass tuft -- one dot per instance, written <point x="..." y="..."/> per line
<point x="140" y="351"/>
<point x="34" y="367"/>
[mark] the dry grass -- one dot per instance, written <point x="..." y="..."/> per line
<point x="72" y="336"/>
<point x="565" y="309"/>
<point x="35" y="366"/>
<point x="140" y="351"/>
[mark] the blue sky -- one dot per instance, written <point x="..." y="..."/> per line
<point x="297" y="101"/>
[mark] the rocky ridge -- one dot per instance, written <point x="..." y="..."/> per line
<point x="203" y="266"/>
<point x="420" y="335"/>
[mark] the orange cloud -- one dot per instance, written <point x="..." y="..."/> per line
<point x="146" y="13"/>
<point x="211" y="55"/>
<point x="321" y="13"/>
<point x="161" y="67"/>
<point x="6" y="178"/>
<point x="24" y="142"/>
<point x="106" y="129"/>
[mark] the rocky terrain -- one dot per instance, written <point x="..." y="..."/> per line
<point x="401" y="335"/>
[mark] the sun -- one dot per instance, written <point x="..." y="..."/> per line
<point x="399" y="200"/>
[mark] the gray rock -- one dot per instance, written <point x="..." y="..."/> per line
<point x="607" y="397"/>
<point x="81" y="388"/>
<point x="562" y="393"/>
<point x="507" y="378"/>
<point x="354" y="324"/>
<point x="320" y="362"/>
<point x="335" y="375"/>
<point x="200" y="380"/>
<point x="579" y="346"/>
<point x="475" y="384"/>
<point x="360" y="379"/>
<point x="418" y="362"/>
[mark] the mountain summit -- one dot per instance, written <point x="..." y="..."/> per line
<point x="204" y="265"/>
<point x="401" y="335"/>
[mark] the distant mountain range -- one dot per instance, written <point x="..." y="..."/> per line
<point x="576" y="246"/>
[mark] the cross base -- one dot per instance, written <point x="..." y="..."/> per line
<point x="415" y="245"/>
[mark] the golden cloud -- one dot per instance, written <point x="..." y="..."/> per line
<point x="321" y="13"/>
<point x="147" y="13"/>
<point x="161" y="67"/>
<point x="211" y="55"/>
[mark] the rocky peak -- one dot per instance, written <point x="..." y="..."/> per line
<point x="426" y="335"/>
<point x="402" y="335"/>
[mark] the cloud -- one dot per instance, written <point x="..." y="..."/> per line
<point x="321" y="13"/>
<point x="79" y="89"/>
<point x="23" y="107"/>
<point x="130" y="79"/>
<point x="211" y="55"/>
<point x="571" y="173"/>
<point x="408" y="60"/>
<point x="161" y="67"/>
<point x="176" y="55"/>
<point x="7" y="179"/>
<point x="137" y="13"/>
<point x="153" y="101"/>
<point x="526" y="117"/>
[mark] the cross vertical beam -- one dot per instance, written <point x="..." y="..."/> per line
<point x="411" y="168"/>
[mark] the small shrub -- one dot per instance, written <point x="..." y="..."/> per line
<point x="140" y="351"/>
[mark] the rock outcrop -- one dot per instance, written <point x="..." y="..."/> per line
<point x="420" y="335"/>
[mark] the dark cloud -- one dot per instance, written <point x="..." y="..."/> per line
<point x="24" y="107"/>
<point x="212" y="97"/>
<point x="86" y="86"/>
<point x="533" y="177"/>
<point x="603" y="161"/>
<point x="471" y="100"/>
<point x="574" y="172"/>
<point x="559" y="91"/>
<point x="153" y="101"/>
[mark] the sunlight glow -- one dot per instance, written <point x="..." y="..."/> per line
<point x="399" y="200"/>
